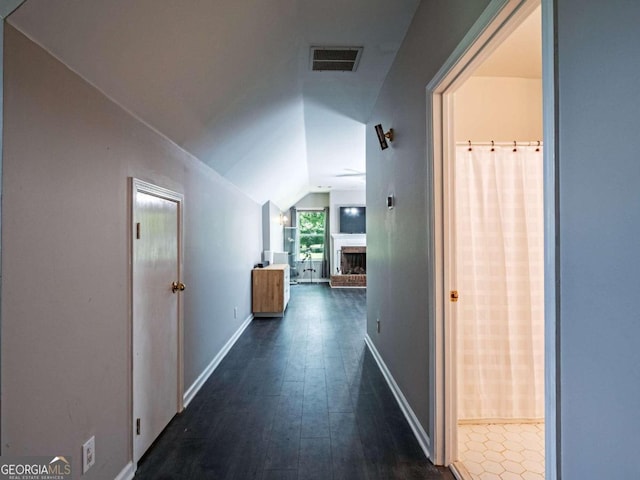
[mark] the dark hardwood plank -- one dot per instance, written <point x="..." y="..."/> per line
<point x="315" y="459"/>
<point x="280" y="475"/>
<point x="298" y="397"/>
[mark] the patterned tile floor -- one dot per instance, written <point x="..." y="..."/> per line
<point x="501" y="451"/>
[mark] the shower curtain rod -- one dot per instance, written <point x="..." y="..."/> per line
<point x="536" y="143"/>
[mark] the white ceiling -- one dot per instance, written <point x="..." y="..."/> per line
<point x="229" y="80"/>
<point x="520" y="55"/>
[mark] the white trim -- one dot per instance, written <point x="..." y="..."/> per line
<point x="435" y="294"/>
<point x="449" y="328"/>
<point x="414" y="423"/>
<point x="206" y="373"/>
<point x="497" y="21"/>
<point x="553" y="433"/>
<point x="453" y="66"/>
<point x="310" y="209"/>
<point x="459" y="471"/>
<point x="127" y="473"/>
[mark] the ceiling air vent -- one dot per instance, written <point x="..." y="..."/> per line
<point x="335" y="59"/>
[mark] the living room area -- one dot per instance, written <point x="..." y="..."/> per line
<point x="322" y="238"/>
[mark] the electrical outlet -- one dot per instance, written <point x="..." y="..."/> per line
<point x="235" y="312"/>
<point x="88" y="454"/>
<point x="378" y="324"/>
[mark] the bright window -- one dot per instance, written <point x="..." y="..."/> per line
<point x="311" y="234"/>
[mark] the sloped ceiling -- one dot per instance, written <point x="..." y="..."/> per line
<point x="520" y="55"/>
<point x="230" y="81"/>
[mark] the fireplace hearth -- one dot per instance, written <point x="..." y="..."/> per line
<point x="352" y="271"/>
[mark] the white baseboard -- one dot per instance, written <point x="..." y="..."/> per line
<point x="418" y="431"/>
<point x="459" y="471"/>
<point x="204" y="376"/>
<point x="127" y="472"/>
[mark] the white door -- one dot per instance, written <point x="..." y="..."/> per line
<point x="156" y="312"/>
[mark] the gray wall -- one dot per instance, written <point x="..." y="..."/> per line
<point x="599" y="223"/>
<point x="313" y="200"/>
<point x="68" y="152"/>
<point x="397" y="257"/>
<point x="272" y="230"/>
<point x="599" y="172"/>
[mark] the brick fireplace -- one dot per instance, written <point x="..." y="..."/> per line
<point x="353" y="261"/>
<point x="350" y="265"/>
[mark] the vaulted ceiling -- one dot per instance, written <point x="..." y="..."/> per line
<point x="230" y="80"/>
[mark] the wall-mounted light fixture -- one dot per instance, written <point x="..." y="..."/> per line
<point x="382" y="136"/>
<point x="283" y="219"/>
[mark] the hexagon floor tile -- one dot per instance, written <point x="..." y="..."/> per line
<point x="506" y="451"/>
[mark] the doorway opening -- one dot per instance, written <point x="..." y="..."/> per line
<point x="492" y="350"/>
<point x="497" y="243"/>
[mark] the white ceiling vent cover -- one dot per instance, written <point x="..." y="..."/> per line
<point x="335" y="59"/>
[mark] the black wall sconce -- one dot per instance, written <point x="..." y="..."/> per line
<point x="382" y="136"/>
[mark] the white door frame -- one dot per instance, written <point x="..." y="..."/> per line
<point x="141" y="186"/>
<point x="496" y="23"/>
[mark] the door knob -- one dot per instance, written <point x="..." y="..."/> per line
<point x="177" y="286"/>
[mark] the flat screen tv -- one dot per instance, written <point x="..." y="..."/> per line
<point x="353" y="220"/>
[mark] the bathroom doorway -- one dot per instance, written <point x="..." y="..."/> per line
<point x="498" y="271"/>
<point x="488" y="151"/>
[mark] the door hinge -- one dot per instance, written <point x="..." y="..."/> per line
<point x="137" y="426"/>
<point x="453" y="296"/>
<point x="138" y="231"/>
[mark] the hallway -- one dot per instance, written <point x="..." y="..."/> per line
<point x="296" y="398"/>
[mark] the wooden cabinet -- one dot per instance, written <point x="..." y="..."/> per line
<point x="270" y="290"/>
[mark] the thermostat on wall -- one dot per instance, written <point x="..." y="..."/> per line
<point x="391" y="202"/>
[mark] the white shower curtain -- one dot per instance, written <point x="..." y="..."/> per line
<point x="500" y="279"/>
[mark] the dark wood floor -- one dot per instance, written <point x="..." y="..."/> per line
<point x="296" y="398"/>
